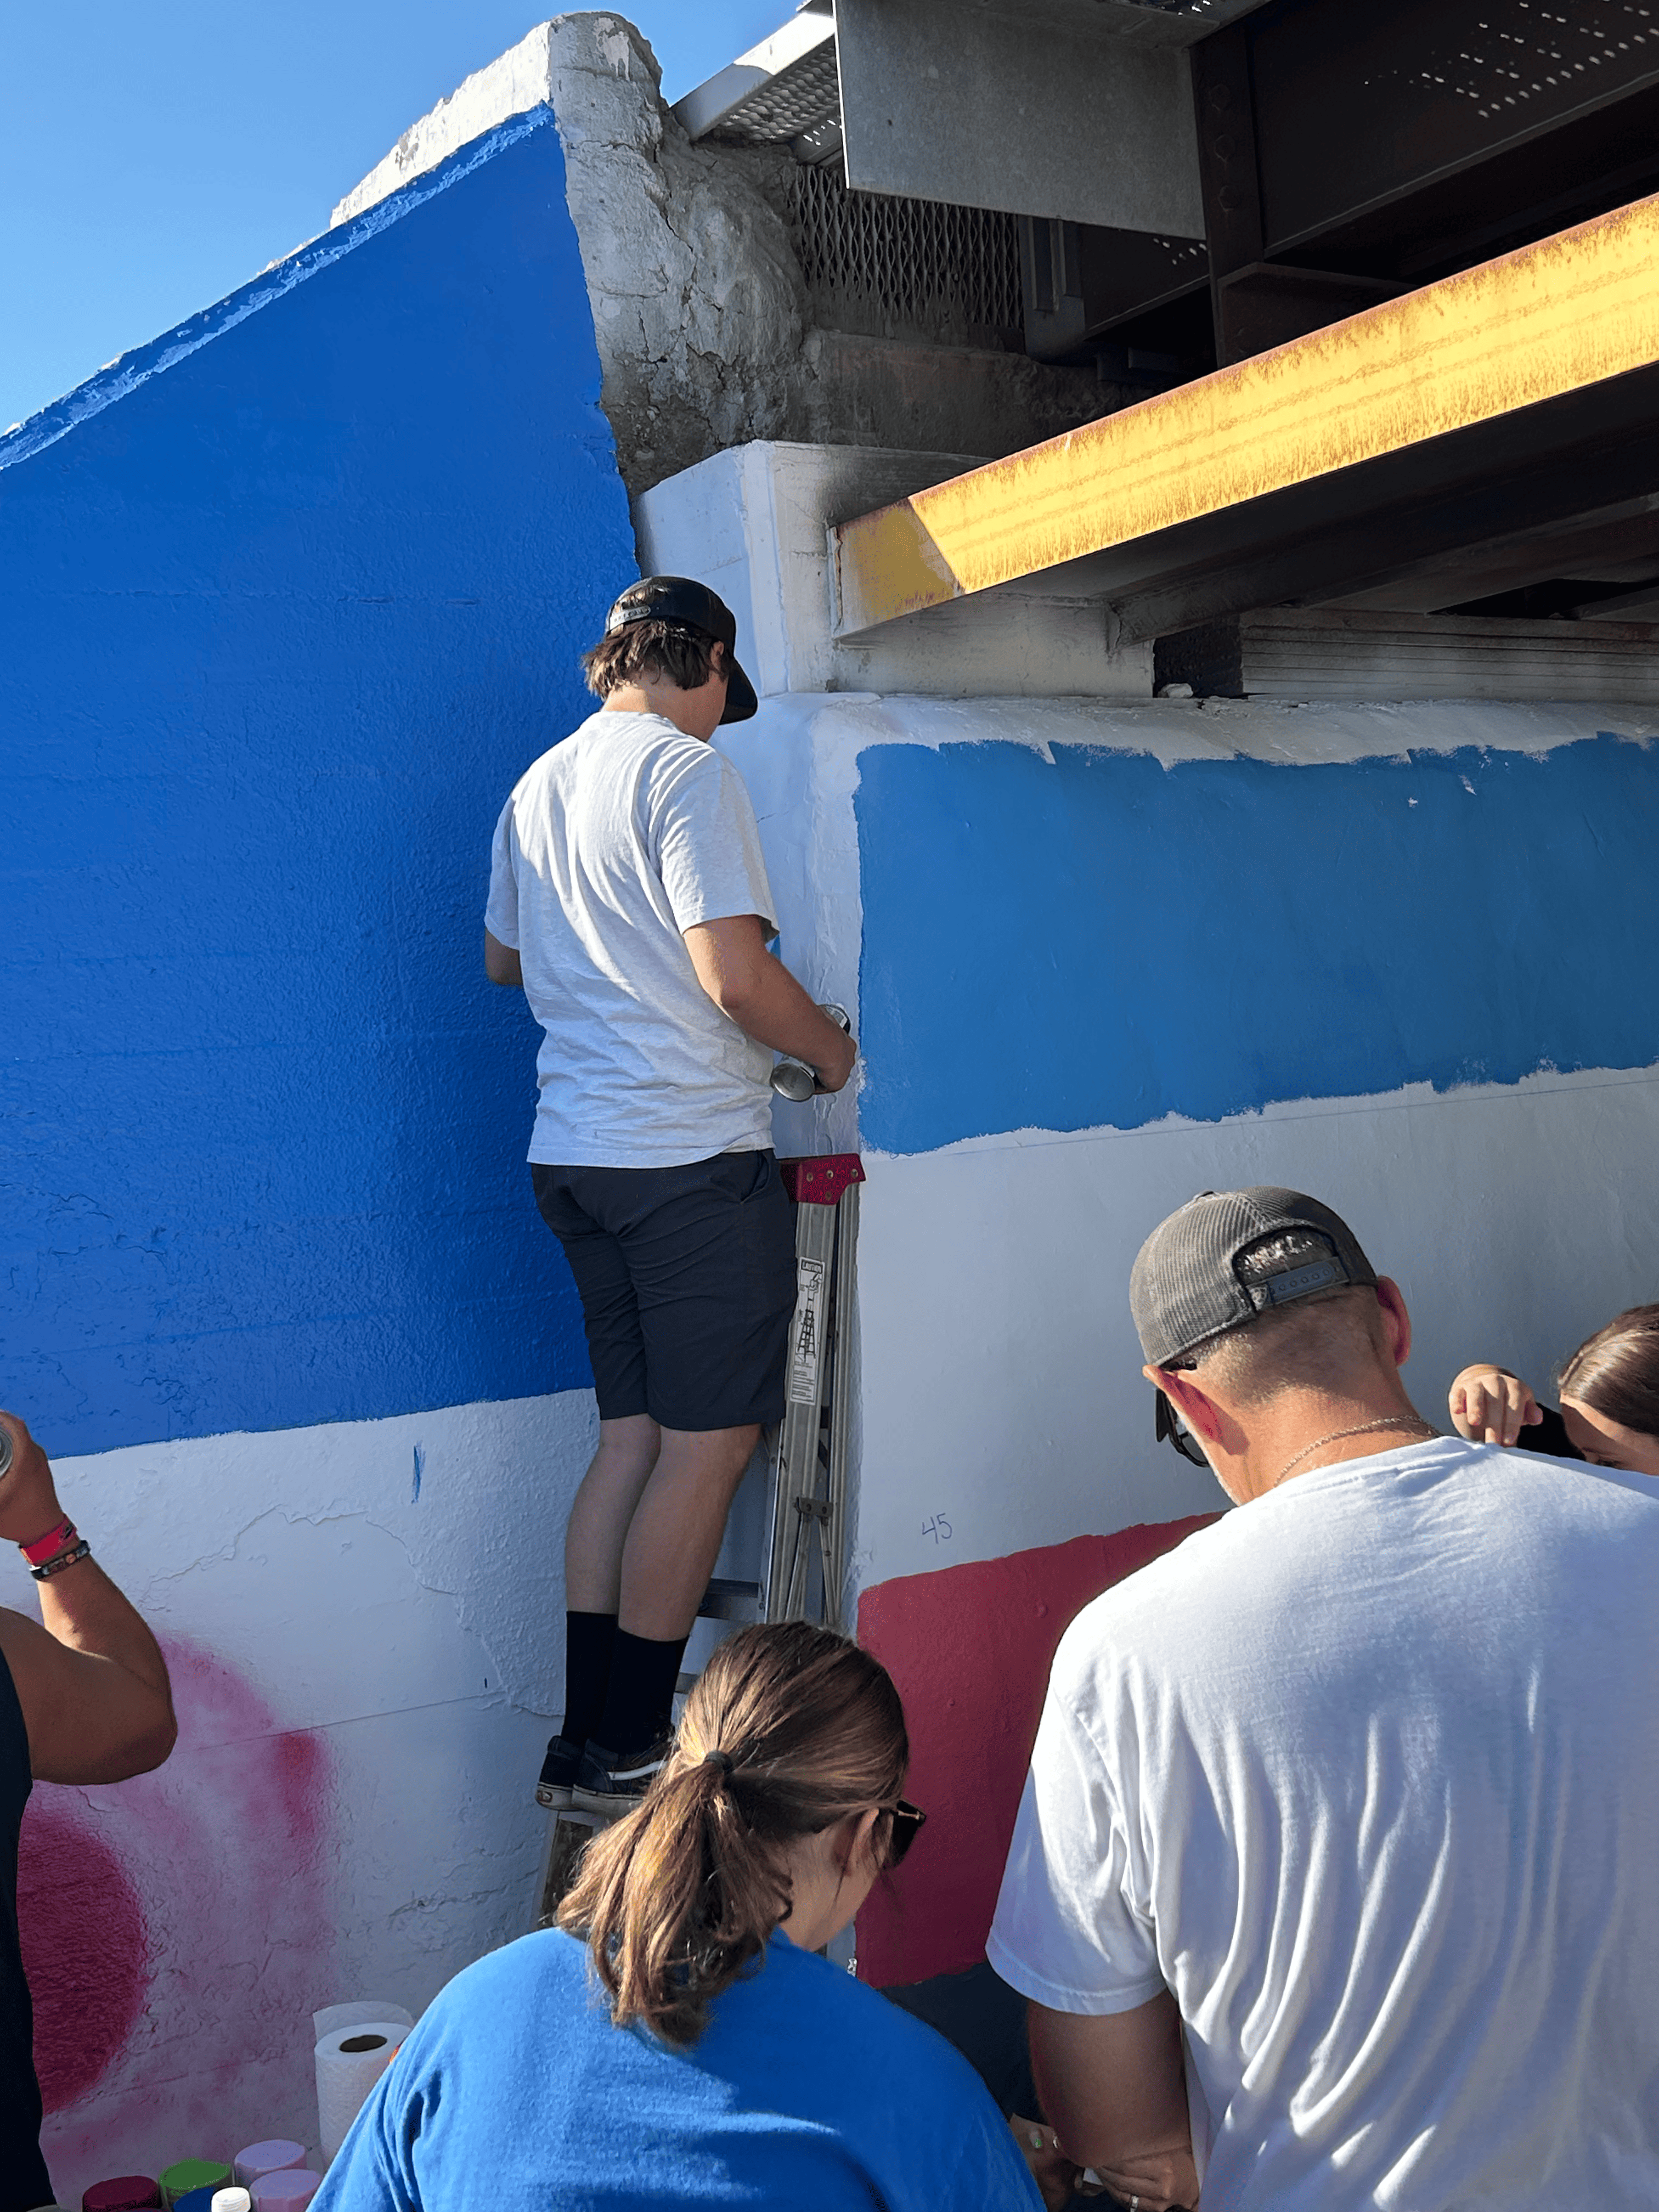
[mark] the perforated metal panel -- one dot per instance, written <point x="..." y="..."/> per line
<point x="794" y="100"/>
<point x="920" y="263"/>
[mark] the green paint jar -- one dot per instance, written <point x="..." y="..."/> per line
<point x="194" y="2173"/>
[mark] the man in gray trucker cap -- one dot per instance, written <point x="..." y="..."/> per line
<point x="1331" y="1884"/>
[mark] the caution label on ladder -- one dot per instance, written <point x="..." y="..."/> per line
<point x="806" y="1331"/>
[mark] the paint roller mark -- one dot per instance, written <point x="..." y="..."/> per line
<point x="983" y="862"/>
<point x="420" y="1469"/>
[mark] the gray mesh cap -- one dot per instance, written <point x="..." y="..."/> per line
<point x="1185" y="1285"/>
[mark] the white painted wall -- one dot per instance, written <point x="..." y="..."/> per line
<point x="1001" y="1375"/>
<point x="754" y="522"/>
<point x="1000" y="1380"/>
<point x="421" y="1640"/>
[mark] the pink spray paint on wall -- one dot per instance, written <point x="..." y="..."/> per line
<point x="176" y="1934"/>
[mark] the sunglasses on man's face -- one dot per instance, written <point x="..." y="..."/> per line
<point x="1169" y="1427"/>
<point x="908" y="1820"/>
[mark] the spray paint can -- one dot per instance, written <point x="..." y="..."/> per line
<point x="793" y="1079"/>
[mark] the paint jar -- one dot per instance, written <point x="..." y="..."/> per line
<point x="128" y="2192"/>
<point x="793" y="1079"/>
<point x="286" y="2191"/>
<point x="202" y="2200"/>
<point x="231" y="2200"/>
<point x="260" y="2159"/>
<point x="179" y="2180"/>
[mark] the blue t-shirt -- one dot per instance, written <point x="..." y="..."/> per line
<point x="516" y="2092"/>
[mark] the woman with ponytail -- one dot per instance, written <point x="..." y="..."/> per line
<point x="676" y="2039"/>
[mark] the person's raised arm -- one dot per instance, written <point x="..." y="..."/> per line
<point x="1115" y="2090"/>
<point x="91" y="1680"/>
<point x="501" y="963"/>
<point x="1488" y="1405"/>
<point x="763" y="998"/>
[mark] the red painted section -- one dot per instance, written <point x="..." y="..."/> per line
<point x="970" y="1648"/>
<point x="86" y="1950"/>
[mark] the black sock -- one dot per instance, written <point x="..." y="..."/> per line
<point x="639" y="1705"/>
<point x="588" y="1637"/>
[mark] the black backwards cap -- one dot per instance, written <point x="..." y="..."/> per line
<point x="688" y="605"/>
<point x="1185" y="1285"/>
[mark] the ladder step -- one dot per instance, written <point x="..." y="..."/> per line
<point x="724" y="1600"/>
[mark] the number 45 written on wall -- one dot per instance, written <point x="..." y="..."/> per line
<point x="938" y="1529"/>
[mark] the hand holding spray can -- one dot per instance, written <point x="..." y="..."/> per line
<point x="793" y="1079"/>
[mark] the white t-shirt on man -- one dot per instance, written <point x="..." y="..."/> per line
<point x="1367" y="1775"/>
<point x="612" y="845"/>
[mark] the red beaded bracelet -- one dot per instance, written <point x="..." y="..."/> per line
<point x="57" y="1538"/>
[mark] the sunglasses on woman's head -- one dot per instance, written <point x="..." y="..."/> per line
<point x="908" y="1821"/>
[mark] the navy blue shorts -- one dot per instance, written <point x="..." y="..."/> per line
<point x="687" y="1277"/>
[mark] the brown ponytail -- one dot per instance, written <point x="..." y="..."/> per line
<point x="1616" y="1371"/>
<point x="789" y="1729"/>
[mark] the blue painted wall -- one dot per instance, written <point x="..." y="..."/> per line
<point x="1099" y="940"/>
<point x="279" y="628"/>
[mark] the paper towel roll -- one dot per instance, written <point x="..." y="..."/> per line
<point x="349" y="2062"/>
<point x="360" y="2012"/>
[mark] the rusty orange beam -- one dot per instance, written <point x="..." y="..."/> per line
<point x="1549" y="319"/>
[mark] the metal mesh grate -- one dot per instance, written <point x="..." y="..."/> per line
<point x="920" y="263"/>
<point x="788" y="104"/>
<point x="1537" y="55"/>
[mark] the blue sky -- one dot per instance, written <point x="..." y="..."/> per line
<point x="153" y="157"/>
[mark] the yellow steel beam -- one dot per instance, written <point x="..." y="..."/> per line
<point x="1548" y="319"/>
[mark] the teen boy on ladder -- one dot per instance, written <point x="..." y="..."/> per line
<point x="629" y="899"/>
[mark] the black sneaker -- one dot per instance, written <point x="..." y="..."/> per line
<point x="558" y="1773"/>
<point x="609" y="1784"/>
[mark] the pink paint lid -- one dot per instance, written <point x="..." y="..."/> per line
<point x="286" y="2190"/>
<point x="128" y="2192"/>
<point x="276" y="2156"/>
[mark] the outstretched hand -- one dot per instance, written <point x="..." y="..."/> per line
<point x="28" y="1497"/>
<point x="1489" y="1406"/>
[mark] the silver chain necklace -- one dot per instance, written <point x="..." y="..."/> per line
<point x="1365" y="1428"/>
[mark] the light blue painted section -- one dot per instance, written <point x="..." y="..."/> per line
<point x="286" y="603"/>
<point x="1095" y="939"/>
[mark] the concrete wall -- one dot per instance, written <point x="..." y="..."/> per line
<point x="706" y="329"/>
<point x="290" y="598"/>
<point x="1110" y="955"/>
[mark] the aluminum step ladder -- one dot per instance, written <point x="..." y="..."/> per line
<point x="804" y="1574"/>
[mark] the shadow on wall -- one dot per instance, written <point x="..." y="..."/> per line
<point x="288" y="603"/>
<point x="970" y="1648"/>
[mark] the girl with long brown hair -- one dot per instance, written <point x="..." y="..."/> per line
<point x="1609" y="1399"/>
<point x="676" y="2039"/>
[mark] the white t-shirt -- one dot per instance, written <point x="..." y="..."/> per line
<point x="1367" y="1774"/>
<point x="611" y="845"/>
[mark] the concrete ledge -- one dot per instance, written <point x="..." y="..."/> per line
<point x="755" y="523"/>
